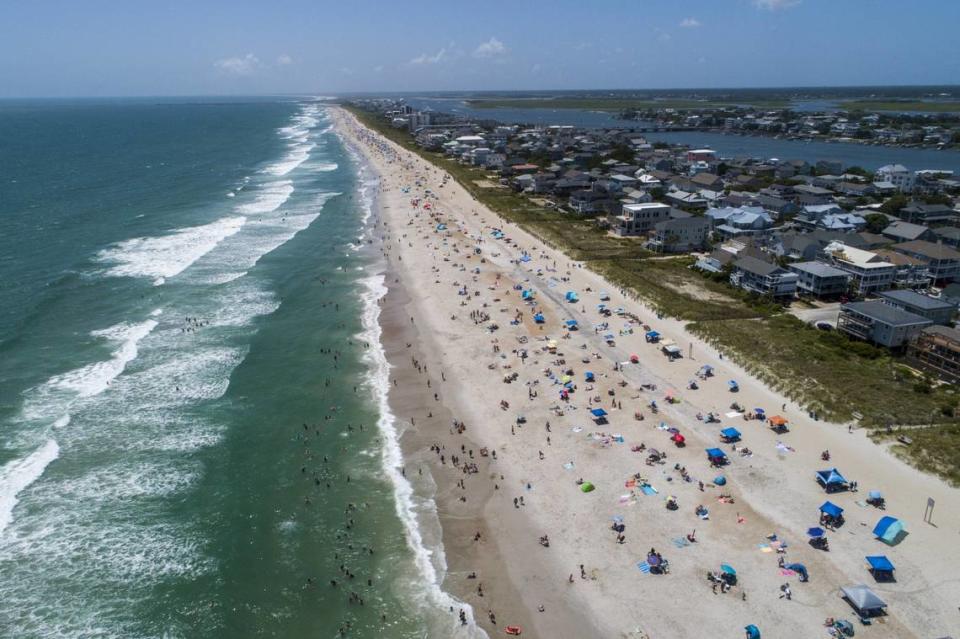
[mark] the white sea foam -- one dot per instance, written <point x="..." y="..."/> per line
<point x="268" y="198"/>
<point x="168" y="255"/>
<point x="62" y="421"/>
<point x="297" y="156"/>
<point x="16" y="475"/>
<point x="430" y="562"/>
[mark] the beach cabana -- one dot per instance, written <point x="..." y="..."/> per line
<point x="890" y="530"/>
<point x="752" y="632"/>
<point x="830" y="513"/>
<point x="800" y="569"/>
<point x="652" y="337"/>
<point x="778" y="423"/>
<point x="571" y="296"/>
<point x="729" y="435"/>
<point x="572" y="324"/>
<point x="527" y="295"/>
<point x="716" y="456"/>
<point x="864" y="601"/>
<point x="831" y="480"/>
<point x="880" y="567"/>
<point x="733" y="386"/>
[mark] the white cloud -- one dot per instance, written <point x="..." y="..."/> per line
<point x="774" y="5"/>
<point x="284" y="59"/>
<point x="490" y="49"/>
<point x="240" y="65"/>
<point x="690" y="23"/>
<point x="378" y="68"/>
<point x="663" y="37"/>
<point x="430" y="59"/>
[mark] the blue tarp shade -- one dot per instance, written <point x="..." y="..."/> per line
<point x="888" y="529"/>
<point x="598" y="412"/>
<point x="815" y="532"/>
<point x="830" y="508"/>
<point x="730" y="433"/>
<point x="880" y="563"/>
<point x="800" y="569"/>
<point x="716" y="453"/>
<point x="830" y="477"/>
<point x="653" y="334"/>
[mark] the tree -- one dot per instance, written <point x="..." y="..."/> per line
<point x="858" y="170"/>
<point x="622" y="153"/>
<point x="876" y="222"/>
<point x="894" y="204"/>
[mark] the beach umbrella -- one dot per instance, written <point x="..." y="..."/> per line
<point x="653" y="560"/>
<point x="589" y="376"/>
<point x="565" y="379"/>
<point x="815" y="532"/>
<point x="586" y="487"/>
<point x="720" y="480"/>
<point x="678" y="438"/>
<point x="752" y="632"/>
<point x="875" y="494"/>
<point x="727" y="568"/>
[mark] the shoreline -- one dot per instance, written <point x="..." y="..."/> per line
<point x="773" y="490"/>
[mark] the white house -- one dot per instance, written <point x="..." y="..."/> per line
<point x="898" y="175"/>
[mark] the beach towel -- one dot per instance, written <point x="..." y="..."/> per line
<point x="681" y="542"/>
<point x="568" y="465"/>
<point x="630" y="483"/>
<point x="644" y="567"/>
<point x="648" y="490"/>
<point x="785" y="572"/>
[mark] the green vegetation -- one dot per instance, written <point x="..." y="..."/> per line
<point x="824" y="371"/>
<point x="619" y="104"/>
<point x="829" y="373"/>
<point x="934" y="448"/>
<point x="896" y="105"/>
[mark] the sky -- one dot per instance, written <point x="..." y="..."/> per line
<point x="65" y="48"/>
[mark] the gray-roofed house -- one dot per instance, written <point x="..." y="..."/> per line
<point x="763" y="278"/>
<point x="900" y="231"/>
<point x="949" y="235"/>
<point x="927" y="213"/>
<point x="936" y="310"/>
<point x="942" y="261"/>
<point x="820" y="280"/>
<point x="880" y="323"/>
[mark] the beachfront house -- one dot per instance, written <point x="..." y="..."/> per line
<point x="679" y="234"/>
<point x="763" y="278"/>
<point x="880" y="323"/>
<point x="936" y="310"/>
<point x="942" y="261"/>
<point x="868" y="272"/>
<point x="919" y="213"/>
<point x="900" y="231"/>
<point x="820" y="280"/>
<point x="686" y="200"/>
<point x="936" y="350"/>
<point x="639" y="219"/>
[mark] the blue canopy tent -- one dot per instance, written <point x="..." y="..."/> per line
<point x="831" y="480"/>
<point x="571" y="296"/>
<point x="815" y="533"/>
<point x="890" y="530"/>
<point x="800" y="569"/>
<point x="572" y="324"/>
<point x="538" y="318"/>
<point x="652" y="337"/>
<point x="716" y="456"/>
<point x="599" y="415"/>
<point x="588" y="376"/>
<point x="831" y="510"/>
<point x="881" y="567"/>
<point x="730" y="435"/>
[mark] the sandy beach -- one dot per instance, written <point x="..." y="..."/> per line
<point x="507" y="461"/>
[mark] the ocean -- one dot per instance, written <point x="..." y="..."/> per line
<point x="194" y="434"/>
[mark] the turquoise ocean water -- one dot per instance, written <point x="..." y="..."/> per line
<point x="183" y="379"/>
